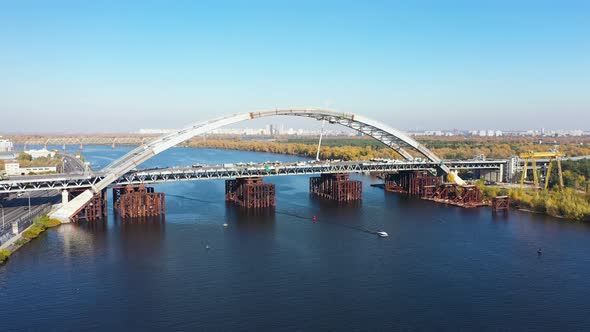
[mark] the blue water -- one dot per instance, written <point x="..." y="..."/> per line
<point x="442" y="268"/>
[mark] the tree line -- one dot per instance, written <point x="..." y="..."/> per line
<point x="444" y="147"/>
<point x="297" y="149"/>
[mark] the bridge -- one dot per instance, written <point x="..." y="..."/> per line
<point x="211" y="172"/>
<point x="81" y="141"/>
<point x="393" y="138"/>
<point x="120" y="171"/>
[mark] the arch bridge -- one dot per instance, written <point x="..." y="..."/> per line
<point x="393" y="138"/>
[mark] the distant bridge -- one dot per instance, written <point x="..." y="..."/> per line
<point x="82" y="140"/>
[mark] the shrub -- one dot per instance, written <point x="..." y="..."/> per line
<point x="45" y="222"/>
<point x="52" y="223"/>
<point x="568" y="204"/>
<point x="4" y="254"/>
<point x="33" y="232"/>
<point x="490" y="191"/>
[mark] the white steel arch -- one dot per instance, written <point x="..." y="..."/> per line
<point x="389" y="136"/>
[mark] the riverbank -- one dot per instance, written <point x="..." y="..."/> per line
<point x="40" y="225"/>
<point x="568" y="204"/>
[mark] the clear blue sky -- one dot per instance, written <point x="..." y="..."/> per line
<point x="121" y="65"/>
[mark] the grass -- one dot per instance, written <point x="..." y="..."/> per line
<point x="20" y="242"/>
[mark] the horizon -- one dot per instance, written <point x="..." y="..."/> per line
<point x="329" y="128"/>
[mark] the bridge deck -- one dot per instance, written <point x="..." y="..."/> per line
<point x="209" y="172"/>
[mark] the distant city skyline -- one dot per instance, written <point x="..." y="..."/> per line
<point x="112" y="66"/>
<point x="313" y="127"/>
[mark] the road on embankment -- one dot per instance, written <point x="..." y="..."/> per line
<point x="72" y="165"/>
<point x="18" y="207"/>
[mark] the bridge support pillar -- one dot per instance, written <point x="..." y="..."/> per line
<point x="94" y="209"/>
<point x="250" y="193"/>
<point x="491" y="175"/>
<point x="337" y="187"/>
<point x="65" y="197"/>
<point x="467" y="196"/>
<point x="418" y="183"/>
<point x="137" y="202"/>
<point x="500" y="203"/>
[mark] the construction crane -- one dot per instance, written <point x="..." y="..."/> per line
<point x="533" y="156"/>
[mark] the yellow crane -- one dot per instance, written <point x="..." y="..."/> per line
<point x="533" y="156"/>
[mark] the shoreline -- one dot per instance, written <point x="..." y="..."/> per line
<point x="39" y="226"/>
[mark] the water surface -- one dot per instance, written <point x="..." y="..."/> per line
<point x="442" y="268"/>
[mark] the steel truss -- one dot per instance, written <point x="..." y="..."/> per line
<point x="60" y="182"/>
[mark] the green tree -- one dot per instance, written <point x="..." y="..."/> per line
<point x="24" y="156"/>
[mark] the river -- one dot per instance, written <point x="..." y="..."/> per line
<point x="442" y="268"/>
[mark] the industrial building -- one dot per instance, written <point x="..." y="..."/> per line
<point x="12" y="168"/>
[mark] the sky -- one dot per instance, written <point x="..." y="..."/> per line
<point x="117" y="66"/>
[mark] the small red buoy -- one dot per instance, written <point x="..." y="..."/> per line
<point x="315" y="218"/>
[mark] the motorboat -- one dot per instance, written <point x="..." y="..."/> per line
<point x="225" y="225"/>
<point x="382" y="234"/>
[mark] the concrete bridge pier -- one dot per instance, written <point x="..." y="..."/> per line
<point x="65" y="196"/>
<point x="491" y="175"/>
<point x="337" y="187"/>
